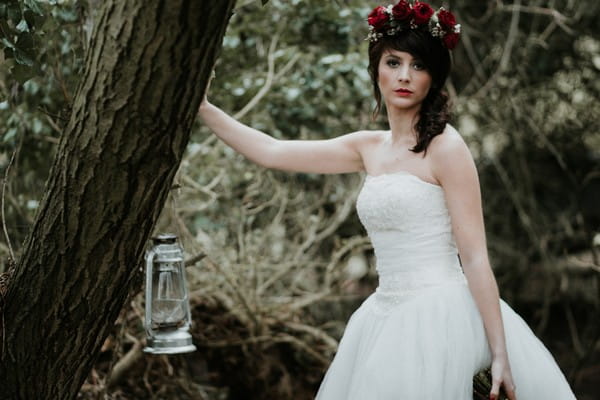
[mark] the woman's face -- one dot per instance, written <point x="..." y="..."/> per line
<point x="403" y="80"/>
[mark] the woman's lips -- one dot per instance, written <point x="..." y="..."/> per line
<point x="403" y="92"/>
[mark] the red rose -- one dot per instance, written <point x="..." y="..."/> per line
<point x="450" y="40"/>
<point x="402" y="11"/>
<point x="378" y="18"/>
<point x="446" y="20"/>
<point x="422" y="12"/>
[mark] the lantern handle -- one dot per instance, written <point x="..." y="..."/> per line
<point x="149" y="260"/>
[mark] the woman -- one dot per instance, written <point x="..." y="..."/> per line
<point x="434" y="321"/>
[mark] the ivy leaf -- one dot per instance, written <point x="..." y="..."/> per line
<point x="5" y="30"/>
<point x="264" y="2"/>
<point x="34" y="6"/>
<point x="8" y="43"/>
<point x="23" y="58"/>
<point x="23" y="26"/>
<point x="9" y="134"/>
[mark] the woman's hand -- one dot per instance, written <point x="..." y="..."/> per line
<point x="501" y="376"/>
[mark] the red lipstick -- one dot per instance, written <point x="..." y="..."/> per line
<point x="403" y="92"/>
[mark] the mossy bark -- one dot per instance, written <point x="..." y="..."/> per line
<point x="146" y="67"/>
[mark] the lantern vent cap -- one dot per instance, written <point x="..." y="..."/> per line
<point x="165" y="238"/>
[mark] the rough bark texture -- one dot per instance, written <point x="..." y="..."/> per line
<point x="146" y="66"/>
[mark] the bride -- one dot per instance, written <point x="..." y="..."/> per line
<point x="436" y="317"/>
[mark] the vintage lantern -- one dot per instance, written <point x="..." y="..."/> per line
<point x="168" y="316"/>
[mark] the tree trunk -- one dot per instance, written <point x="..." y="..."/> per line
<point x="146" y="67"/>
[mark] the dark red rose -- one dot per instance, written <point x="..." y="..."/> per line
<point x="378" y="18"/>
<point x="402" y="11"/>
<point x="422" y="12"/>
<point x="450" y="40"/>
<point x="446" y="20"/>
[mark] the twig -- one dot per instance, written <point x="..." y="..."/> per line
<point x="338" y="218"/>
<point x="511" y="37"/>
<point x="573" y="330"/>
<point x="505" y="58"/>
<point x="12" y="158"/>
<point x="124" y="364"/>
<point x="316" y="332"/>
<point x="268" y="81"/>
<point x="193" y="260"/>
<point x="272" y="77"/>
<point x="6" y="277"/>
<point x="235" y="288"/>
<point x="472" y="55"/>
<point x="146" y="377"/>
<point x="534" y="10"/>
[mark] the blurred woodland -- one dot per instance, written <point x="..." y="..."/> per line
<point x="277" y="261"/>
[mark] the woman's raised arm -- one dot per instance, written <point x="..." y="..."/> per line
<point x="337" y="155"/>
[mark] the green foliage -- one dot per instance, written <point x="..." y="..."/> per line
<point x="42" y="55"/>
<point x="39" y="70"/>
<point x="18" y="23"/>
<point x="23" y="26"/>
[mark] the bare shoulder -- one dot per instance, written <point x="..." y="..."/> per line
<point x="365" y="139"/>
<point x="447" y="146"/>
<point x="447" y="143"/>
<point x="449" y="153"/>
<point x="370" y="137"/>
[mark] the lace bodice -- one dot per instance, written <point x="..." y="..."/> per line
<point x="409" y="226"/>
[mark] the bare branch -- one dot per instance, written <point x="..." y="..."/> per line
<point x="271" y="77"/>
<point x="122" y="366"/>
<point x="6" y="172"/>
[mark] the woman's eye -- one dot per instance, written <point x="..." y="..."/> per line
<point x="418" y="66"/>
<point x="392" y="63"/>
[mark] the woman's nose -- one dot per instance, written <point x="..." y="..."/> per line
<point x="403" y="73"/>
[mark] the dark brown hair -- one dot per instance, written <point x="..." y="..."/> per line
<point x="434" y="112"/>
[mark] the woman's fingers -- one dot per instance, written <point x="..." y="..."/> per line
<point x="495" y="389"/>
<point x="212" y="76"/>
<point x="510" y="389"/>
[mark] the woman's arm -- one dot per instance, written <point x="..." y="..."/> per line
<point x="453" y="166"/>
<point x="337" y="155"/>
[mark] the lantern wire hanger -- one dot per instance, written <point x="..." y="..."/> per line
<point x="174" y="220"/>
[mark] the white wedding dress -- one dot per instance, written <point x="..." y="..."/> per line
<point x="419" y="336"/>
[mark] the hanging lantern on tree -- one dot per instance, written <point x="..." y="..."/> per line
<point x="168" y="317"/>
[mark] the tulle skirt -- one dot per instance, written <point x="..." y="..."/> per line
<point x="428" y="346"/>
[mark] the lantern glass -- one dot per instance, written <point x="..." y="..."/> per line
<point x="168" y="296"/>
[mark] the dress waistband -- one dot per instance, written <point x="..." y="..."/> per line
<point x="385" y="301"/>
<point x="404" y="281"/>
<point x="406" y="273"/>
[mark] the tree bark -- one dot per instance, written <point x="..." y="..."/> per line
<point x="146" y="67"/>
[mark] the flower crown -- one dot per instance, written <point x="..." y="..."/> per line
<point x="393" y="19"/>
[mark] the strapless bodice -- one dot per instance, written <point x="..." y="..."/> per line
<point x="409" y="226"/>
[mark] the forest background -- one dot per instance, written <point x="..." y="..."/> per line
<point x="278" y="261"/>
